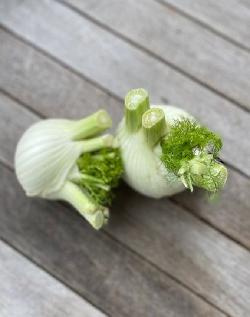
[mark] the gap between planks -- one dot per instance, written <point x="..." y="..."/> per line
<point x="58" y="61"/>
<point x="150" y="53"/>
<point x="142" y="257"/>
<point x="66" y="291"/>
<point x="9" y="167"/>
<point x="153" y="271"/>
<point x="135" y="56"/>
<point x="136" y="253"/>
<point x="178" y="281"/>
<point x="81" y="76"/>
<point x="206" y="221"/>
<point x="220" y="230"/>
<point x="203" y="24"/>
<point x="188" y="209"/>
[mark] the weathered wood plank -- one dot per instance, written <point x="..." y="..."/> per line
<point x="90" y="262"/>
<point x="165" y="234"/>
<point x="230" y="213"/>
<point x="13" y="121"/>
<point x="105" y="59"/>
<point x="46" y="86"/>
<point x="190" y="47"/>
<point x="230" y="18"/>
<point x="54" y="91"/>
<point x="186" y="248"/>
<point x="26" y="290"/>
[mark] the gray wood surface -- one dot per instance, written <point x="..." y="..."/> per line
<point x="230" y="213"/>
<point x="88" y="59"/>
<point x="92" y="263"/>
<point x="162" y="257"/>
<point x="26" y="290"/>
<point x="164" y="32"/>
<point x="230" y="18"/>
<point x="54" y="91"/>
<point x="169" y="237"/>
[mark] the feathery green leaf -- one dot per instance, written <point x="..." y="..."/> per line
<point x="185" y="139"/>
<point x="101" y="172"/>
<point x="190" y="151"/>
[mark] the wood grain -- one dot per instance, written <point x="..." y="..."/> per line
<point x="54" y="91"/>
<point x="166" y="235"/>
<point x="14" y="120"/>
<point x="105" y="58"/>
<point x="190" y="47"/>
<point x="91" y="262"/>
<point x="231" y="18"/>
<point x="26" y="290"/>
<point x="229" y="213"/>
<point x="47" y="87"/>
<point x="180" y="245"/>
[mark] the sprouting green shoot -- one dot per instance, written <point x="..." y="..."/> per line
<point x="190" y="151"/>
<point x="101" y="171"/>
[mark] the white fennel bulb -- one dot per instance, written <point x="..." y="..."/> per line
<point x="143" y="135"/>
<point x="58" y="159"/>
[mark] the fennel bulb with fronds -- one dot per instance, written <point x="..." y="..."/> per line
<point x="165" y="150"/>
<point x="69" y="160"/>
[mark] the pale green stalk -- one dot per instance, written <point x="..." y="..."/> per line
<point x="92" y="125"/>
<point x="93" y="213"/>
<point x="136" y="103"/>
<point x="153" y="125"/>
<point x="95" y="144"/>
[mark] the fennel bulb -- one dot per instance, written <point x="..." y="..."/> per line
<point x="164" y="150"/>
<point x="68" y="160"/>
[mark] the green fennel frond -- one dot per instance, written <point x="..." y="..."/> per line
<point x="185" y="139"/>
<point x="190" y="151"/>
<point x="101" y="171"/>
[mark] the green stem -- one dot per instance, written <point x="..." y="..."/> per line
<point x="95" y="144"/>
<point x="136" y="103"/>
<point x="94" y="181"/>
<point x="71" y="193"/>
<point x="91" y="178"/>
<point x="92" y="125"/>
<point x="94" y="214"/>
<point x="154" y="125"/>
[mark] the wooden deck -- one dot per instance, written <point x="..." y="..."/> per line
<point x="178" y="257"/>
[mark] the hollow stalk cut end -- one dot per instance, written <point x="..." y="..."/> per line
<point x="136" y="103"/>
<point x="92" y="125"/>
<point x="96" y="215"/>
<point x="154" y="125"/>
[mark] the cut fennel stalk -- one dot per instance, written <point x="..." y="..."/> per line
<point x="57" y="159"/>
<point x="167" y="150"/>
